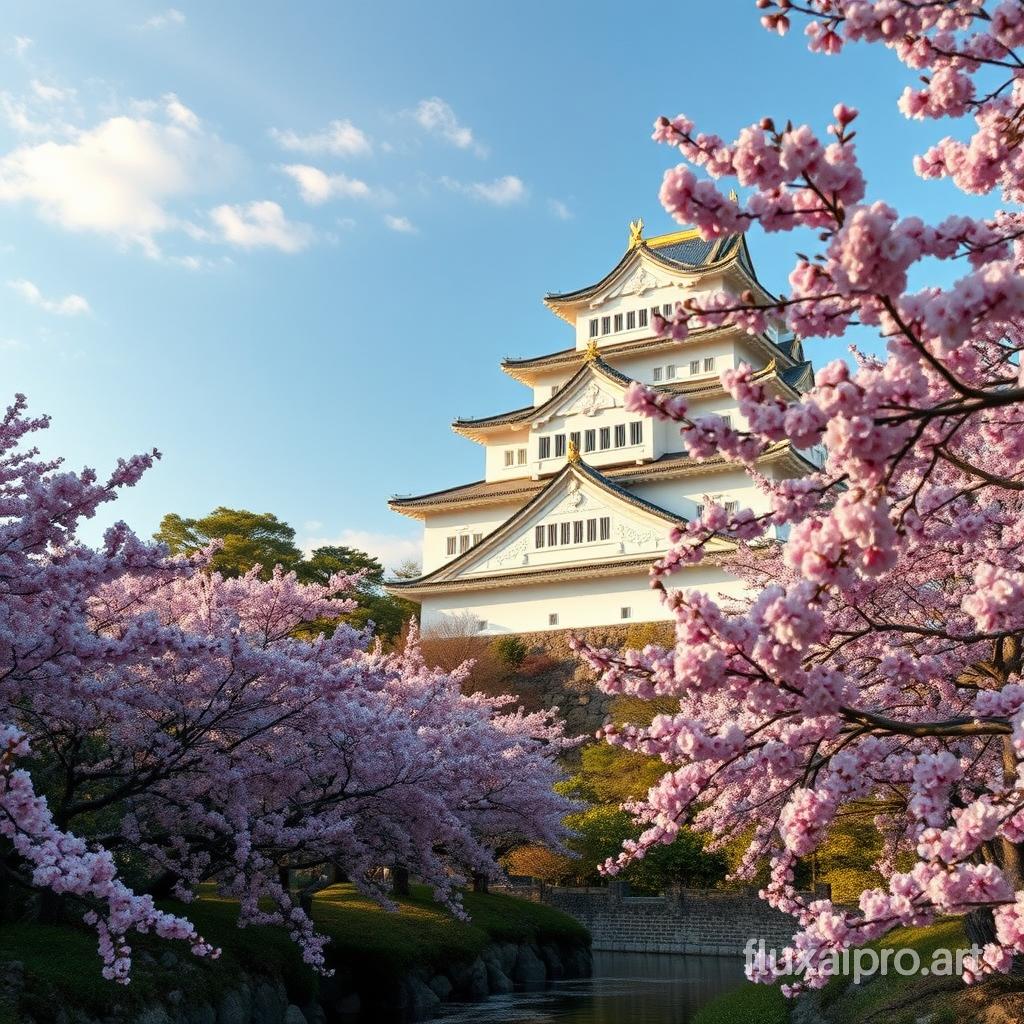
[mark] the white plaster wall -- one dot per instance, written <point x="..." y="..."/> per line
<point x="439" y="526"/>
<point x="576" y="603"/>
<point x="684" y="495"/>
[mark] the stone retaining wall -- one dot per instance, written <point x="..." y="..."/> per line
<point x="682" y="921"/>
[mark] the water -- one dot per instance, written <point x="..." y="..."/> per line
<point x="627" y="988"/>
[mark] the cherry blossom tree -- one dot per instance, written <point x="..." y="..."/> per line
<point x="876" y="669"/>
<point x="186" y="724"/>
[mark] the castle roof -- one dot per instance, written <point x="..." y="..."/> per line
<point x="791" y="378"/>
<point x="687" y="251"/>
<point x="453" y="573"/>
<point x="671" y="466"/>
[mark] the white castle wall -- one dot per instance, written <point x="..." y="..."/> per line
<point x="577" y="603"/>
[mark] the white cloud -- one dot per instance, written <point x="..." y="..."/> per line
<point x="500" y="192"/>
<point x="70" y="305"/>
<point x="400" y="224"/>
<point x="172" y="16"/>
<point x="260" y="225"/>
<point x="392" y="549"/>
<point x="437" y="117"/>
<point x="316" y="186"/>
<point x="339" y="138"/>
<point x="117" y="177"/>
<point x="559" y="209"/>
<point x="21" y="45"/>
<point x="51" y="93"/>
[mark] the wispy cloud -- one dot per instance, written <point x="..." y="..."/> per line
<point x="20" y="45"/>
<point x="260" y="225"/>
<point x="500" y="192"/>
<point x="70" y="305"/>
<point x="165" y="19"/>
<point x="559" y="209"/>
<point x="436" y="116"/>
<point x="339" y="138"/>
<point x="400" y="224"/>
<point x="316" y="186"/>
<point x="49" y="93"/>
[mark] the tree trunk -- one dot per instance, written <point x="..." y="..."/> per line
<point x="480" y="882"/>
<point x="400" y="880"/>
<point x="284" y="878"/>
<point x="162" y="887"/>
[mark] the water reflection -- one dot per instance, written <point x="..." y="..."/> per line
<point x="627" y="988"/>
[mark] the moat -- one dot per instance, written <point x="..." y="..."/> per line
<point x="627" y="988"/>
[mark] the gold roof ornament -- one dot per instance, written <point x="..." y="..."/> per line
<point x="636" y="232"/>
<point x="734" y="195"/>
<point x="592" y="352"/>
<point x="573" y="456"/>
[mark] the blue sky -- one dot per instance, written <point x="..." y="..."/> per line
<point x="287" y="244"/>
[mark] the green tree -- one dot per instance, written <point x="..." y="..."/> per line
<point x="387" y="613"/>
<point x="247" y="539"/>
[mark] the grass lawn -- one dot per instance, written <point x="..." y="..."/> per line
<point x="61" y="963"/>
<point x="749" y="1004"/>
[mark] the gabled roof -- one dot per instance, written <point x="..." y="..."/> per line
<point x="527" y="370"/>
<point x="592" y="367"/>
<point x="448" y="573"/>
<point x="674" y="465"/>
<point x="597" y="367"/>
<point x="685" y="250"/>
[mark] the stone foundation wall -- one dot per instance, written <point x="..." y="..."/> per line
<point x="683" y="921"/>
<point x="553" y="675"/>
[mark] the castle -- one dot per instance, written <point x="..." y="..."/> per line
<point x="579" y="496"/>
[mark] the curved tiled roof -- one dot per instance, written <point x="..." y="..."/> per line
<point x="569" y="469"/>
<point x="488" y="492"/>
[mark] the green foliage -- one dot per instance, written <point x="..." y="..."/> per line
<point x="63" y="971"/>
<point x="510" y="649"/>
<point x="260" y="538"/>
<point x="248" y="539"/>
<point x="744" y="1005"/>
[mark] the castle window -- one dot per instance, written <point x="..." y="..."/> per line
<point x="463" y="542"/>
<point x="521" y="456"/>
<point x="545" y="447"/>
<point x="636" y="432"/>
<point x="577" y="532"/>
<point x="589" y="440"/>
<point x="670" y="372"/>
<point x="606" y="438"/>
<point x="553" y="619"/>
<point x="552" y="534"/>
<point x="642" y="316"/>
<point x="618" y="322"/>
<point x="477" y="537"/>
<point x="510" y="457"/>
<point x="625" y="613"/>
<point x="574" y="436"/>
<point x="593" y="328"/>
<point x="565" y="532"/>
<point x="620" y="435"/>
<point x="732" y="507"/>
<point x="538" y="537"/>
<point x="666" y="310"/>
<point x="606" y="324"/>
<point x="727" y="419"/>
<point x="559" y="445"/>
<point x="657" y="373"/>
<point x="700" y="512"/>
<point x="694" y="367"/>
<point x="709" y="363"/>
<point x="655" y="312"/>
<point x="591" y="530"/>
<point x="631" y="320"/>
<point x="606" y="527"/>
<point x="451" y="545"/>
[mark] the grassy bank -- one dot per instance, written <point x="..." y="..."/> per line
<point x="62" y="967"/>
